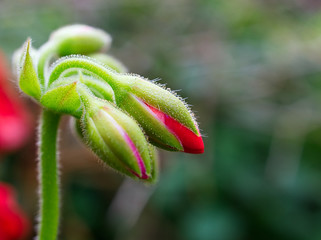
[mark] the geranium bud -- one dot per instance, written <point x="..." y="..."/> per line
<point x="164" y="116"/>
<point x="80" y="39"/>
<point x="115" y="137"/>
<point x="78" y="132"/>
<point x="13" y="222"/>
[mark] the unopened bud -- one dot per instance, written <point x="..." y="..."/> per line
<point x="80" y="39"/>
<point x="165" y="118"/>
<point x="116" y="138"/>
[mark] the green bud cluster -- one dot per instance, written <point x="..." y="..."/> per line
<point x="119" y="116"/>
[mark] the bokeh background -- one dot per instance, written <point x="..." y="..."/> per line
<point x="252" y="71"/>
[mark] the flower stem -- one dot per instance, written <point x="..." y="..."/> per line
<point x="48" y="170"/>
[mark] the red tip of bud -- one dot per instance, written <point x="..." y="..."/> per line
<point x="191" y="142"/>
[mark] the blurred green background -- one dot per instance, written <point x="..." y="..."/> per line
<point x="252" y="71"/>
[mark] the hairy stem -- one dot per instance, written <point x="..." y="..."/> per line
<point x="85" y="63"/>
<point x="48" y="170"/>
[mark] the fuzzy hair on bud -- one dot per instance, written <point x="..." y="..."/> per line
<point x="115" y="137"/>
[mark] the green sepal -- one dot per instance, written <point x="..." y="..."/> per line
<point x="154" y="165"/>
<point x="28" y="79"/>
<point x="19" y="55"/>
<point x="63" y="99"/>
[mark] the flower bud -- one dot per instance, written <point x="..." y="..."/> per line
<point x="77" y="130"/>
<point x="80" y="39"/>
<point x="164" y="116"/>
<point x="116" y="138"/>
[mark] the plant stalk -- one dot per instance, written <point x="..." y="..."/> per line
<point x="48" y="176"/>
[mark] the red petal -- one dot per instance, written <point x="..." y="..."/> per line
<point x="191" y="142"/>
<point x="13" y="222"/>
<point x="14" y="120"/>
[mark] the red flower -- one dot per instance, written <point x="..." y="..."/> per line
<point x="14" y="119"/>
<point x="13" y="222"/>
